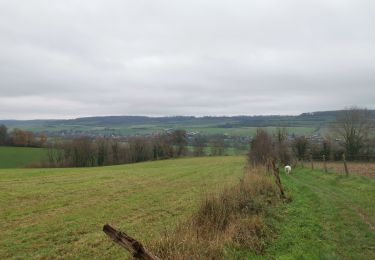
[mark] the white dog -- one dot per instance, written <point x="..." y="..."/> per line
<point x="288" y="169"/>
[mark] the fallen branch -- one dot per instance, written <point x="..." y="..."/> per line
<point x="135" y="248"/>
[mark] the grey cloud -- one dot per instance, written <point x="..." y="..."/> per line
<point x="81" y="58"/>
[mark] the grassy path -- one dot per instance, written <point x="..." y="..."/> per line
<point x="330" y="217"/>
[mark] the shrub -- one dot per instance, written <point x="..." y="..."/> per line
<point x="261" y="148"/>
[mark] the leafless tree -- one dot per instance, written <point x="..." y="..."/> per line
<point x="3" y="134"/>
<point x="261" y="148"/>
<point x="282" y="147"/>
<point x="300" y="145"/>
<point x="140" y="149"/>
<point x="179" y="138"/>
<point x="199" y="144"/>
<point x="353" y="127"/>
<point x="217" y="146"/>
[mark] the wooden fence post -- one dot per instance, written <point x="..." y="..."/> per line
<point x="324" y="163"/>
<point x="345" y="165"/>
<point x="135" y="248"/>
<point x="312" y="163"/>
<point x="278" y="181"/>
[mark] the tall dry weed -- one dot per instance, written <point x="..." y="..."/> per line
<point x="233" y="217"/>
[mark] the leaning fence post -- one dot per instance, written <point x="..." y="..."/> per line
<point x="311" y="161"/>
<point x="277" y="179"/>
<point x="345" y="165"/>
<point x="135" y="248"/>
<point x="324" y="163"/>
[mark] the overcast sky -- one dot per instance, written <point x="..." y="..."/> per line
<point x="64" y="59"/>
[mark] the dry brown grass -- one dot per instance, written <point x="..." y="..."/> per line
<point x="234" y="217"/>
<point x="361" y="168"/>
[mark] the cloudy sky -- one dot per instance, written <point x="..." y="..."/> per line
<point x="64" y="59"/>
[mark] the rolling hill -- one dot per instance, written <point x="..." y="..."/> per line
<point x="305" y="123"/>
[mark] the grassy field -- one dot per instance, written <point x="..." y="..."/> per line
<point x="18" y="157"/>
<point x="249" y="131"/>
<point x="330" y="217"/>
<point x="152" y="129"/>
<point x="49" y="213"/>
<point x="60" y="212"/>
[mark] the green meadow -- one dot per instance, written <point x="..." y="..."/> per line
<point x="59" y="213"/>
<point x="330" y="217"/>
<point x="18" y="157"/>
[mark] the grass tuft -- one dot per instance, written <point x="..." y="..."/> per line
<point x="234" y="217"/>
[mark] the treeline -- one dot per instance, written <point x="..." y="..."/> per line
<point x="352" y="134"/>
<point x="18" y="137"/>
<point x="86" y="152"/>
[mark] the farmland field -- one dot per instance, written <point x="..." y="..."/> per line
<point x="249" y="131"/>
<point x="50" y="212"/>
<point x="62" y="211"/>
<point x="18" y="157"/>
<point x="204" y="128"/>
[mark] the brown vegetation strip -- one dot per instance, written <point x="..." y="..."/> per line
<point x="235" y="217"/>
<point x="362" y="168"/>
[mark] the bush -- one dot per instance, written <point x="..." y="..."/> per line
<point x="261" y="148"/>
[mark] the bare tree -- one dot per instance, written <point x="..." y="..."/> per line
<point x="3" y="134"/>
<point x="20" y="137"/>
<point x="199" y="144"/>
<point x="261" y="148"/>
<point x="140" y="149"/>
<point x="180" y="141"/>
<point x="282" y="147"/>
<point x="327" y="148"/>
<point x="83" y="152"/>
<point x="162" y="146"/>
<point x="217" y="146"/>
<point x="102" y="147"/>
<point x="300" y="145"/>
<point x="353" y="127"/>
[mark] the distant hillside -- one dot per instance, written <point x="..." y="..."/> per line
<point x="139" y="125"/>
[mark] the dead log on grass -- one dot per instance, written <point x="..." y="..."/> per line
<point x="135" y="248"/>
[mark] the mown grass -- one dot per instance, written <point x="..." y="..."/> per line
<point x="18" y="157"/>
<point x="330" y="217"/>
<point x="59" y="213"/>
<point x="50" y="213"/>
